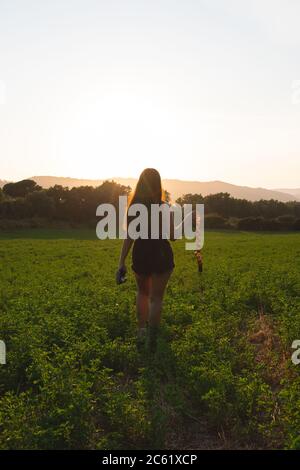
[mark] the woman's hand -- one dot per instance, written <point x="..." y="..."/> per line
<point x="121" y="274"/>
<point x="122" y="267"/>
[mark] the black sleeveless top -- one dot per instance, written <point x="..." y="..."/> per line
<point x="150" y="256"/>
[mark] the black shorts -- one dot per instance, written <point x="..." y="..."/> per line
<point x="152" y="256"/>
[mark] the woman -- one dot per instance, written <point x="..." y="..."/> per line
<point x="152" y="261"/>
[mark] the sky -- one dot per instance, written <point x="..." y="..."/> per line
<point x="199" y="89"/>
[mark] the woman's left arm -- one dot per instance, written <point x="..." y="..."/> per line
<point x="127" y="243"/>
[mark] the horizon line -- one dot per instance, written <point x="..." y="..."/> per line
<point x="112" y="178"/>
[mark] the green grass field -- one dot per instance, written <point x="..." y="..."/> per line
<point x="222" y="376"/>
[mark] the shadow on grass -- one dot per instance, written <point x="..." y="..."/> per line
<point x="158" y="376"/>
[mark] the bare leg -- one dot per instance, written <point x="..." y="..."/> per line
<point x="142" y="299"/>
<point x="158" y="286"/>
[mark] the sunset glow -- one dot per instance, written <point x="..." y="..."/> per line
<point x="202" y="90"/>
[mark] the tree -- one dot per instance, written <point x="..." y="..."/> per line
<point x="21" y="188"/>
<point x="41" y="204"/>
<point x="190" y="199"/>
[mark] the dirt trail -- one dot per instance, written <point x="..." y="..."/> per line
<point x="198" y="435"/>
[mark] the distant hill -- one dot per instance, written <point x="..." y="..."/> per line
<point x="295" y="192"/>
<point x="2" y="183"/>
<point x="179" y="187"/>
<point x="48" y="181"/>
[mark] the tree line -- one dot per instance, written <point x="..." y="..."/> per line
<point x="225" y="212"/>
<point x="27" y="201"/>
